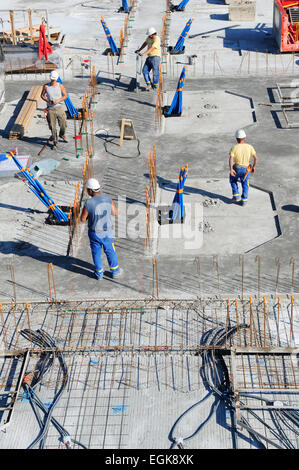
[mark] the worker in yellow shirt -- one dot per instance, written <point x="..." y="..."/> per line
<point x="153" y="60"/>
<point x="239" y="166"/>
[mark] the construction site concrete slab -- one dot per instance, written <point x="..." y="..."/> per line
<point x="205" y="111"/>
<point x="214" y="224"/>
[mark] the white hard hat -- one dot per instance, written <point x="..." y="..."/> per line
<point x="240" y="134"/>
<point x="151" y="31"/>
<point x="93" y="184"/>
<point x="54" y="75"/>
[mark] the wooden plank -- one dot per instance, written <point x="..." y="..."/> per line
<point x="26" y="113"/>
<point x="30" y="26"/>
<point x="13" y="31"/>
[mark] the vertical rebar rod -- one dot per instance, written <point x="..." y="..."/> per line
<point x="292" y="262"/>
<point x="291" y="320"/>
<point x="258" y="260"/>
<point x="265" y="318"/>
<point x="53" y="281"/>
<point x="227" y="321"/>
<point x="3" y="327"/>
<point x="251" y="318"/>
<point x="277" y="262"/>
<point x="278" y="319"/>
<point x="241" y="261"/>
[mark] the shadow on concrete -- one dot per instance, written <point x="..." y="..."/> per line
<point x="291" y="208"/>
<point x="20" y="209"/>
<point x="142" y="102"/>
<point x="117" y="84"/>
<point x="276" y="119"/>
<point x="171" y="186"/>
<point x="258" y="39"/>
<point x="218" y="16"/>
<point x="215" y="2"/>
<point x="5" y="132"/>
<point x="271" y="94"/>
<point x="29" y="250"/>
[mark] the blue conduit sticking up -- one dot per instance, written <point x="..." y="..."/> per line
<point x="180" y="42"/>
<point x="182" y="5"/>
<point x="125" y="6"/>
<point x="38" y="190"/>
<point x="69" y="105"/>
<point x="177" y="102"/>
<point x="178" y="205"/>
<point x="112" y="44"/>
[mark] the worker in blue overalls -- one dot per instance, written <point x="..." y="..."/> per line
<point x="97" y="211"/>
<point x="240" y="168"/>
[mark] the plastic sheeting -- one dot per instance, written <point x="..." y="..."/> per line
<point x="18" y="57"/>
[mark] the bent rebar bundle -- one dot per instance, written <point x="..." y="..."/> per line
<point x="38" y="190"/>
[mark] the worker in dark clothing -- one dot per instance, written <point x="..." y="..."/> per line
<point x="97" y="211"/>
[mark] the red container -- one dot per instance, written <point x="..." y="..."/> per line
<point x="285" y="32"/>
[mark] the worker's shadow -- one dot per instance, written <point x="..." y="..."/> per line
<point x="168" y="185"/>
<point x="29" y="250"/>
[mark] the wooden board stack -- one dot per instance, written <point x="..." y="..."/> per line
<point x="26" y="114"/>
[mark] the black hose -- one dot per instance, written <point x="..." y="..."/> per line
<point x="42" y="339"/>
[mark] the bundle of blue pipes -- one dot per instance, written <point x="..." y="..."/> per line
<point x="177" y="102"/>
<point x="125" y="6"/>
<point x="178" y="198"/>
<point x="38" y="190"/>
<point x="112" y="44"/>
<point x="182" y="5"/>
<point x="180" y="42"/>
<point x="69" y="105"/>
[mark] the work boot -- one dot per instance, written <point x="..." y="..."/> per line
<point x="64" y="138"/>
<point x="148" y="88"/>
<point x="118" y="274"/>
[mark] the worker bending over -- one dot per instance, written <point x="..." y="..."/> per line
<point x="54" y="94"/>
<point x="240" y="168"/>
<point x="97" y="211"/>
<point x="153" y="60"/>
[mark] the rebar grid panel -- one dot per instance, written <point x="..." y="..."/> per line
<point x="275" y="369"/>
<point x="149" y="324"/>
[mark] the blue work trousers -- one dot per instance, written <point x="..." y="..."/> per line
<point x="152" y="63"/>
<point x="240" y="173"/>
<point x="97" y="241"/>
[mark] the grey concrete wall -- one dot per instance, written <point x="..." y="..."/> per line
<point x="244" y="11"/>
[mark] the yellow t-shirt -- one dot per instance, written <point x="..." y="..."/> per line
<point x="156" y="42"/>
<point x="241" y="154"/>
